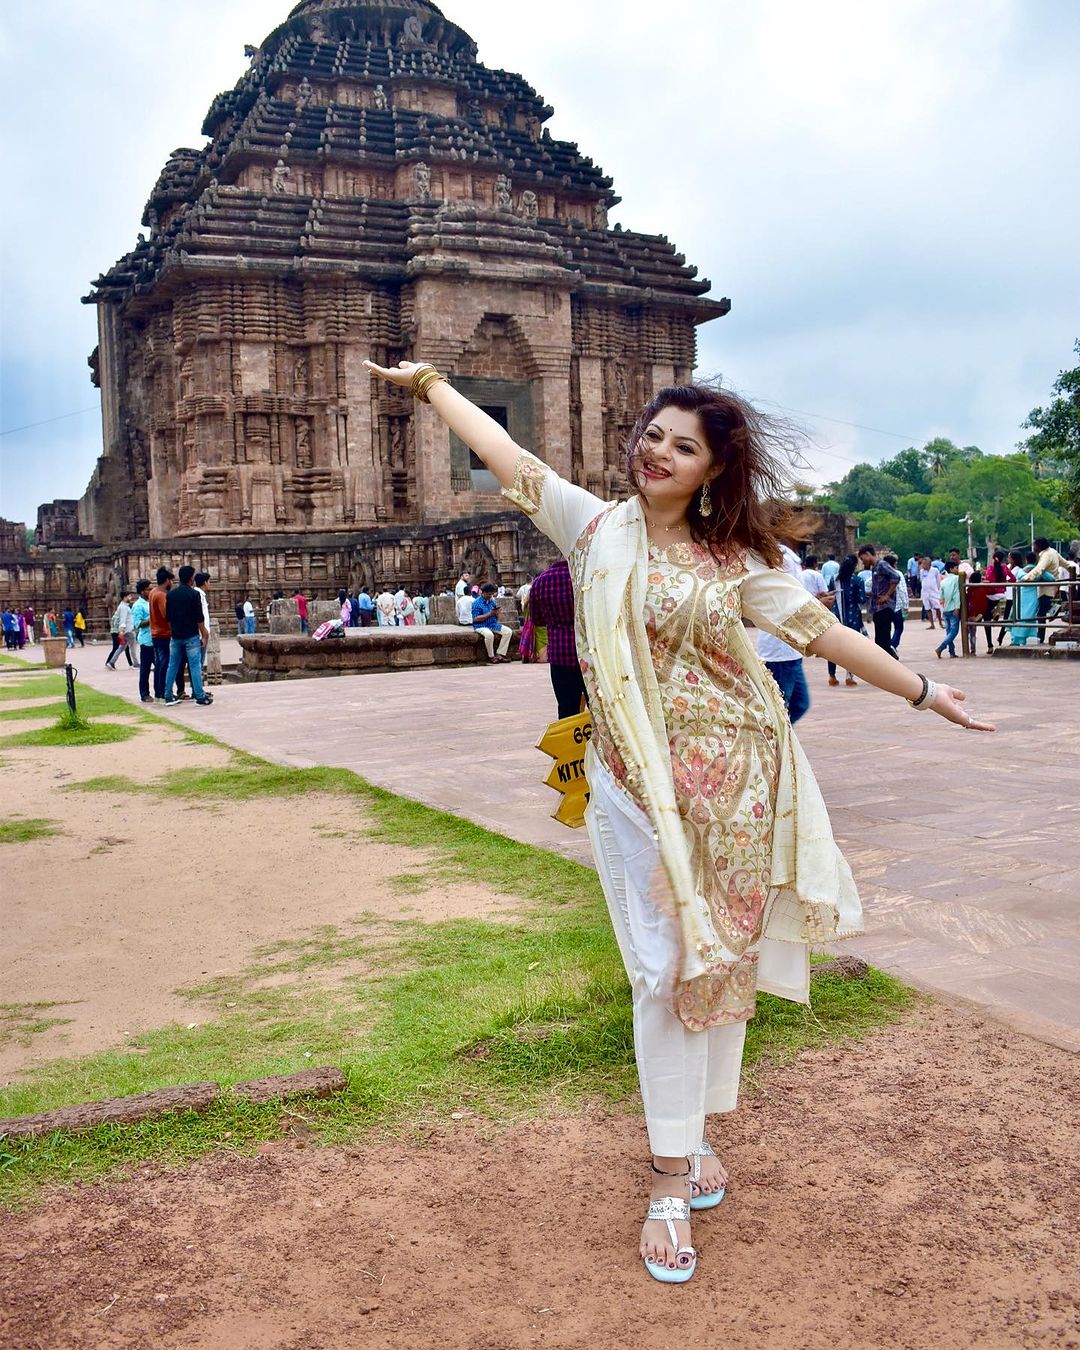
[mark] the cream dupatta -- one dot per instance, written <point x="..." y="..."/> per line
<point x="813" y="896"/>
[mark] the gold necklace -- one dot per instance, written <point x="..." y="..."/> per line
<point x="668" y="529"/>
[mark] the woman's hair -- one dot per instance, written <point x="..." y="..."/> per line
<point x="848" y="568"/>
<point x="1015" y="556"/>
<point x="751" y="449"/>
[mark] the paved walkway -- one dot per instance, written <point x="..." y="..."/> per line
<point x="965" y="847"/>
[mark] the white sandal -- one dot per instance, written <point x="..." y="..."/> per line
<point x="672" y="1209"/>
<point x="698" y="1200"/>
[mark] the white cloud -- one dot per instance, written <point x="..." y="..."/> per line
<point x="888" y="191"/>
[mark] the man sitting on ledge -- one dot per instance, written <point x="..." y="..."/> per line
<point x="485" y="620"/>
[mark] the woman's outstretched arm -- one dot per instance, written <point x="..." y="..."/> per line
<point x="479" y="431"/>
<point x="865" y="659"/>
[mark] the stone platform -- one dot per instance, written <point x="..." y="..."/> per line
<point x="362" y="651"/>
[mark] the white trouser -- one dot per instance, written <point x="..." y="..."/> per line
<point x="488" y="634"/>
<point x="684" y="1075"/>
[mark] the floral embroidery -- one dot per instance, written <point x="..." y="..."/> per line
<point x="725" y="761"/>
<point x="528" y="486"/>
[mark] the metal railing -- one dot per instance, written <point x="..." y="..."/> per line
<point x="1063" y="609"/>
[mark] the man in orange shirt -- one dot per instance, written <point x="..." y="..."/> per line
<point x="161" y="633"/>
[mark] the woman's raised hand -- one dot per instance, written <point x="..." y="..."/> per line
<point x="949" y="703"/>
<point x="401" y="374"/>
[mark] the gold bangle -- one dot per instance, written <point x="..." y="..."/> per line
<point x="422" y="381"/>
<point x="423" y="386"/>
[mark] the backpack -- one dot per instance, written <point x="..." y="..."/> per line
<point x="333" y="628"/>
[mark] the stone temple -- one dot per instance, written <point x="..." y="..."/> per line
<point x="367" y="189"/>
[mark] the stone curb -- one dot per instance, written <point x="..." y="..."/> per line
<point x="320" y="1082"/>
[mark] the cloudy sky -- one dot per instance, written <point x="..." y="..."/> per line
<point x="887" y="191"/>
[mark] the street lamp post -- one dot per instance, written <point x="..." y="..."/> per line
<point x="969" y="521"/>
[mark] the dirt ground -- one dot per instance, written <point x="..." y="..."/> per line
<point x="139" y="897"/>
<point x="918" y="1190"/>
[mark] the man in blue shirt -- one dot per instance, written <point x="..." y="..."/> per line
<point x="485" y="621"/>
<point x="69" y="626"/>
<point x="140" y="622"/>
<point x="367" y="608"/>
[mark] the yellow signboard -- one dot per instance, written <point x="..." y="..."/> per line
<point x="565" y="742"/>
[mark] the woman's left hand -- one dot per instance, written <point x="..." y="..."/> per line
<point x="402" y="374"/>
<point x="949" y="703"/>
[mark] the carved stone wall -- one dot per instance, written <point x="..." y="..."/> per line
<point x="367" y="189"/>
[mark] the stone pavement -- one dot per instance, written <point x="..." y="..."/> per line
<point x="965" y="846"/>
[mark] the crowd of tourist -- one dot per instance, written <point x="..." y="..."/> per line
<point x="870" y="594"/>
<point x="163" y="628"/>
<point x="23" y="626"/>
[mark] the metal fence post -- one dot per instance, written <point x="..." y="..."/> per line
<point x="72" y="675"/>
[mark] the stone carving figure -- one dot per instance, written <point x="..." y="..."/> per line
<point x="281" y="172"/>
<point x="530" y="205"/>
<point x="300" y="375"/>
<point x="502" y="192"/>
<point x="380" y="98"/>
<point x="412" y="37"/>
<point x="423" y="181"/>
<point x="303" y="94"/>
<point x="599" y="216"/>
<point x="303" y="445"/>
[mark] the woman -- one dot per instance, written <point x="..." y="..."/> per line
<point x="404" y="609"/>
<point x="80" y="626"/>
<point x="1013" y="567"/>
<point x="998" y="572"/>
<point x="710" y="835"/>
<point x="978" y="612"/>
<point x="1025" y="604"/>
<point x="850" y="598"/>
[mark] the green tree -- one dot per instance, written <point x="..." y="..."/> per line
<point x="865" y="488"/>
<point x="910" y="467"/>
<point x="1001" y="493"/>
<point x="1054" y="444"/>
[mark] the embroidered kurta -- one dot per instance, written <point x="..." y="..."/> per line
<point x="729" y="756"/>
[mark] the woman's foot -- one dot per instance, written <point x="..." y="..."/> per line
<point x="833" y="681"/>
<point x="670" y="1179"/>
<point x="850" y="682"/>
<point x="713" y="1176"/>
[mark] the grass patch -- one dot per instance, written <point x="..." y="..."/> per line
<point x="23" y="830"/>
<point x="70" y="730"/>
<point x="505" y="1018"/>
<point x="20" y="1022"/>
<point x="89" y="702"/>
<point x="109" y="782"/>
<point x="409" y="883"/>
<point x="40" y="686"/>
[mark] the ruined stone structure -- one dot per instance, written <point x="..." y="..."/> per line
<point x="368" y="189"/>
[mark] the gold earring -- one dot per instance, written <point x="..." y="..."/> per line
<point x="706" y="501"/>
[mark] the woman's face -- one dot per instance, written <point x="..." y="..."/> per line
<point x="672" y="460"/>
